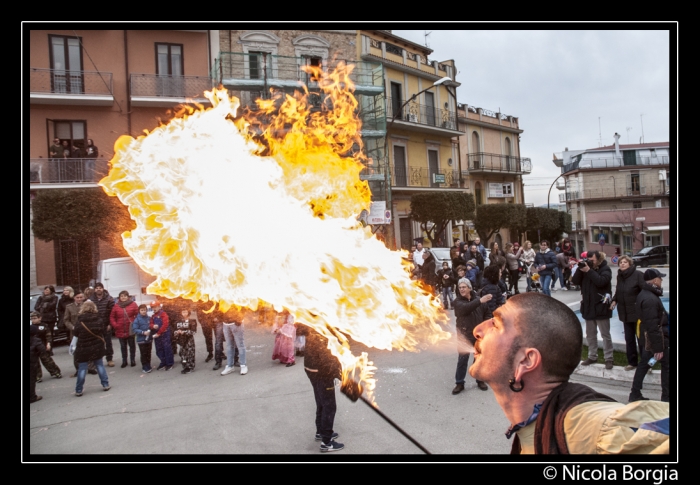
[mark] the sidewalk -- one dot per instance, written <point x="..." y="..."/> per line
<point x="617" y="333"/>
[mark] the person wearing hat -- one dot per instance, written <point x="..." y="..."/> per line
<point x="44" y="334"/>
<point x="104" y="303"/>
<point x="653" y="334"/>
<point x="160" y="329"/>
<point x="470" y="311"/>
<point x="472" y="272"/>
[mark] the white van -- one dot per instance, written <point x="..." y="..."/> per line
<point x="118" y="274"/>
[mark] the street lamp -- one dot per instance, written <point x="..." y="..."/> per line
<point x="550" y="189"/>
<point x="387" y="177"/>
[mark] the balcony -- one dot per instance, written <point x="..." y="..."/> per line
<point x="424" y="177"/>
<point x="75" y="88"/>
<point x="152" y="90"/>
<point x="491" y="162"/>
<point x="67" y="170"/>
<point x="421" y="116"/>
<point x="613" y="193"/>
<point x="615" y="162"/>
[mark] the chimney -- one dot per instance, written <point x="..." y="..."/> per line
<point x="617" y="145"/>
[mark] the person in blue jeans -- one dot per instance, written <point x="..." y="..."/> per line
<point x="233" y="332"/>
<point x="88" y="345"/>
<point x="160" y="330"/>
<point x="545" y="262"/>
<point x="141" y="326"/>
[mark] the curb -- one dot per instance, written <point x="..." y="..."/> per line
<point x="617" y="373"/>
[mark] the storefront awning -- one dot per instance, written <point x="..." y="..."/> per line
<point x="657" y="228"/>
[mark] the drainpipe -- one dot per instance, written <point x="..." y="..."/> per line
<point x="128" y="85"/>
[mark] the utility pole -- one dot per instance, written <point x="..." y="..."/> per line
<point x="641" y="120"/>
<point x="600" y="135"/>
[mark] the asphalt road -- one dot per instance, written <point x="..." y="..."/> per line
<point x="270" y="411"/>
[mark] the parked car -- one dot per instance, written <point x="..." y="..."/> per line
<point x="441" y="255"/>
<point x="651" y="255"/>
<point x="59" y="335"/>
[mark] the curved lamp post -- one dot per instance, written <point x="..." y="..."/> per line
<point x="550" y="189"/>
<point x="387" y="178"/>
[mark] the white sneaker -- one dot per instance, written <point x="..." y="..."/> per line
<point x="227" y="370"/>
<point x="244" y="370"/>
<point x="564" y="289"/>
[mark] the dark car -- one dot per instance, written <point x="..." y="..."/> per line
<point x="59" y="335"/>
<point x="651" y="255"/>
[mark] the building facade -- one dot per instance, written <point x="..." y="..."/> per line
<point x="492" y="164"/>
<point x="619" y="193"/>
<point x="98" y="85"/>
<point x="422" y="147"/>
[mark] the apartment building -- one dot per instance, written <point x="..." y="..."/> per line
<point x="491" y="160"/>
<point x="422" y="131"/>
<point x="98" y="85"/>
<point x="619" y="193"/>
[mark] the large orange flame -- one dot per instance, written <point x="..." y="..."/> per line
<point x="247" y="212"/>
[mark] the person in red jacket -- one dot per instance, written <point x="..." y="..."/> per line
<point x="120" y="318"/>
<point x="160" y="329"/>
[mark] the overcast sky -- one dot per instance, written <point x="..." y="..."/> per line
<point x="558" y="83"/>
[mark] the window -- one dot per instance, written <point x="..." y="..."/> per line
<point x="314" y="62"/>
<point x="509" y="153"/>
<point x="653" y="153"/>
<point x="430" y="108"/>
<point x="396" y="100"/>
<point x="169" y="60"/>
<point x="169" y="70"/>
<point x="636" y="205"/>
<point x="476" y="162"/>
<point x="400" y="178"/>
<point x="66" y="63"/>
<point x="259" y="65"/>
<point x="507" y="190"/>
<point x="633" y="184"/>
<point x="478" y="194"/>
<point x="73" y="132"/>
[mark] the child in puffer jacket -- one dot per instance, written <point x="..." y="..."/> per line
<point x="143" y="338"/>
<point x="472" y="271"/>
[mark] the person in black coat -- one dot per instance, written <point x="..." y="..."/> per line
<point x="470" y="311"/>
<point x="492" y="277"/>
<point x="44" y="334"/>
<point x="89" y="345"/>
<point x="36" y="350"/>
<point x="428" y="271"/>
<point x="104" y="303"/>
<point x="65" y="300"/>
<point x="322" y="368"/>
<point x="46" y="305"/>
<point x="653" y="334"/>
<point x="595" y="276"/>
<point x="446" y="282"/>
<point x="629" y="283"/>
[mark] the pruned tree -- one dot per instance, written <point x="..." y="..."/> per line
<point x="490" y="218"/>
<point x="550" y="223"/>
<point x="79" y="214"/>
<point x="439" y="208"/>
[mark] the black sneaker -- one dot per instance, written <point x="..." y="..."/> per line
<point x="332" y="446"/>
<point x="482" y="385"/>
<point x="636" y="396"/>
<point x="160" y="367"/>
<point x="334" y="437"/>
<point x="209" y="357"/>
<point x="168" y="367"/>
<point x="217" y="366"/>
<point x="124" y="364"/>
<point x="187" y="371"/>
<point x="458" y="388"/>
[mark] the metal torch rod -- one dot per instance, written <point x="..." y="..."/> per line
<point x="387" y="419"/>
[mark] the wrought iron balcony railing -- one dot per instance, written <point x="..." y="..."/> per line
<point x="58" y="81"/>
<point x="421" y="114"/>
<point x="169" y="86"/>
<point x="245" y="71"/>
<point x="492" y="162"/>
<point x="67" y="170"/>
<point x="424" y="177"/>
<point x="595" y="163"/>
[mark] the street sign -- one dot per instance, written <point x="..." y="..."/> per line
<point x="601" y="240"/>
<point x="641" y="219"/>
<point x="438" y="178"/>
<point x="377" y="213"/>
<point x="614" y="259"/>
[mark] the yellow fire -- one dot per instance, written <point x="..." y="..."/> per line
<point x="227" y="214"/>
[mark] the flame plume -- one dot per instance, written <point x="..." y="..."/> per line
<point x="206" y="188"/>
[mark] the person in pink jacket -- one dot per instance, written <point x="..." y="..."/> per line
<point x="120" y="318"/>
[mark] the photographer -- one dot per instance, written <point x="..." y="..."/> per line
<point x="594" y="276"/>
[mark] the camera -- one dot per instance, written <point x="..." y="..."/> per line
<point x="582" y="263"/>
